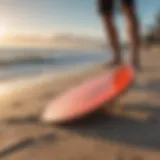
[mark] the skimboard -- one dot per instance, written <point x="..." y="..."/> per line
<point x="88" y="96"/>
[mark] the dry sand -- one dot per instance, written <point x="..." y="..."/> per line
<point x="22" y="137"/>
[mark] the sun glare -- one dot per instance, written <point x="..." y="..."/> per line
<point x="3" y="32"/>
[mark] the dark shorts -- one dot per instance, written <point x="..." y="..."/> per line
<point x="107" y="6"/>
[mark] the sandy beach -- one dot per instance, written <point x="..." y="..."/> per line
<point x="23" y="137"/>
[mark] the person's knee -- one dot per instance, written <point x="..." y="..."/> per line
<point x="129" y="12"/>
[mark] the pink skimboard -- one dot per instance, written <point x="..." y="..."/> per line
<point x="89" y="96"/>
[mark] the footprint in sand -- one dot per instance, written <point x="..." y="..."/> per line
<point x="16" y="104"/>
<point x="47" y="96"/>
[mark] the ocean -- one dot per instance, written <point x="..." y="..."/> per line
<point x="31" y="62"/>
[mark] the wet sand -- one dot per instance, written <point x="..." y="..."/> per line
<point x="22" y="136"/>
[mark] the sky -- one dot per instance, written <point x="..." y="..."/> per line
<point x="61" y="17"/>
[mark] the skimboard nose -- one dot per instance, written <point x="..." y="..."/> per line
<point x="48" y="116"/>
<point x="45" y="116"/>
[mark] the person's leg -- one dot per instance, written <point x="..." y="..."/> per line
<point x="129" y="9"/>
<point x="106" y="11"/>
